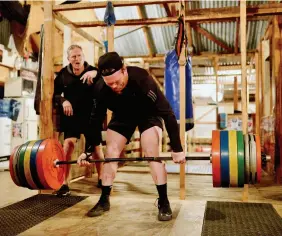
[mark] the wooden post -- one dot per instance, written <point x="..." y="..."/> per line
<point x="111" y="48"/>
<point x="46" y="123"/>
<point x="190" y="50"/>
<point x="257" y="97"/>
<point x="182" y="91"/>
<point x="235" y="91"/>
<point x="243" y="25"/>
<point x="276" y="75"/>
<point x="215" y="66"/>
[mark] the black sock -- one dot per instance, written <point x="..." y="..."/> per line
<point x="106" y="191"/>
<point x="162" y="190"/>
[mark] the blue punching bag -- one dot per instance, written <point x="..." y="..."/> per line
<point x="171" y="79"/>
<point x="172" y="87"/>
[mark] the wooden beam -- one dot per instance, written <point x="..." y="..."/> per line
<point x="93" y="5"/>
<point x="160" y="57"/>
<point x="81" y="32"/>
<point x="148" y="40"/>
<point x="167" y="10"/>
<point x="211" y="37"/>
<point x="197" y="16"/>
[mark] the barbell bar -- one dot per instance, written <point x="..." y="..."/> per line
<point x="236" y="159"/>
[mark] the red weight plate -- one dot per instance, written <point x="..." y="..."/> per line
<point x="216" y="158"/>
<point x="258" y="158"/>
<point x="51" y="151"/>
<point x="39" y="166"/>
<point x="11" y="167"/>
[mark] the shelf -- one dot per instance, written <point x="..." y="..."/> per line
<point x="10" y="67"/>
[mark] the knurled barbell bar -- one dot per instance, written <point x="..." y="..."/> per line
<point x="236" y="159"/>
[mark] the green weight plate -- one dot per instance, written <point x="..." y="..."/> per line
<point x="247" y="159"/>
<point x="241" y="159"/>
<point x="253" y="159"/>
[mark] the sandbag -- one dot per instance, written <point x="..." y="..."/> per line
<point x="109" y="17"/>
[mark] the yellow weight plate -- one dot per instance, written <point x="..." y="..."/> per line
<point x="27" y="171"/>
<point x="233" y="161"/>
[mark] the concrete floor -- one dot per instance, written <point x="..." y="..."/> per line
<point x="133" y="210"/>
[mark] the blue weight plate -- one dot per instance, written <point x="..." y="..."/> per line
<point x="33" y="168"/>
<point x="224" y="158"/>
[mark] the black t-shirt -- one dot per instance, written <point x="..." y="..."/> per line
<point x="140" y="98"/>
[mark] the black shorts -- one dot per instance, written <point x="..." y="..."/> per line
<point x="127" y="127"/>
<point x="73" y="126"/>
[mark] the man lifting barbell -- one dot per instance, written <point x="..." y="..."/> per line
<point x="136" y="101"/>
<point x="75" y="106"/>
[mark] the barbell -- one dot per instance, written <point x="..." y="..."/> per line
<point x="236" y="159"/>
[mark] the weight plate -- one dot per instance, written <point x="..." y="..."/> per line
<point x="247" y="159"/>
<point x="39" y="168"/>
<point x="51" y="152"/>
<point x="27" y="171"/>
<point x="11" y="168"/>
<point x="233" y="161"/>
<point x="216" y="158"/>
<point x="258" y="158"/>
<point x="15" y="165"/>
<point x="224" y="158"/>
<point x="241" y="159"/>
<point x="33" y="169"/>
<point x="253" y="159"/>
<point x="20" y="166"/>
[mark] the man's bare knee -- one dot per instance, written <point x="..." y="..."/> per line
<point x="113" y="150"/>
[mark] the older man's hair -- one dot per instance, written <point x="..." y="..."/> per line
<point x="73" y="47"/>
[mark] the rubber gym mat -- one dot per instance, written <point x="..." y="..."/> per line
<point x="23" y="215"/>
<point x="236" y="218"/>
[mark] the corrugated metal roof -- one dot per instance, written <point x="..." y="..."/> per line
<point x="134" y="44"/>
